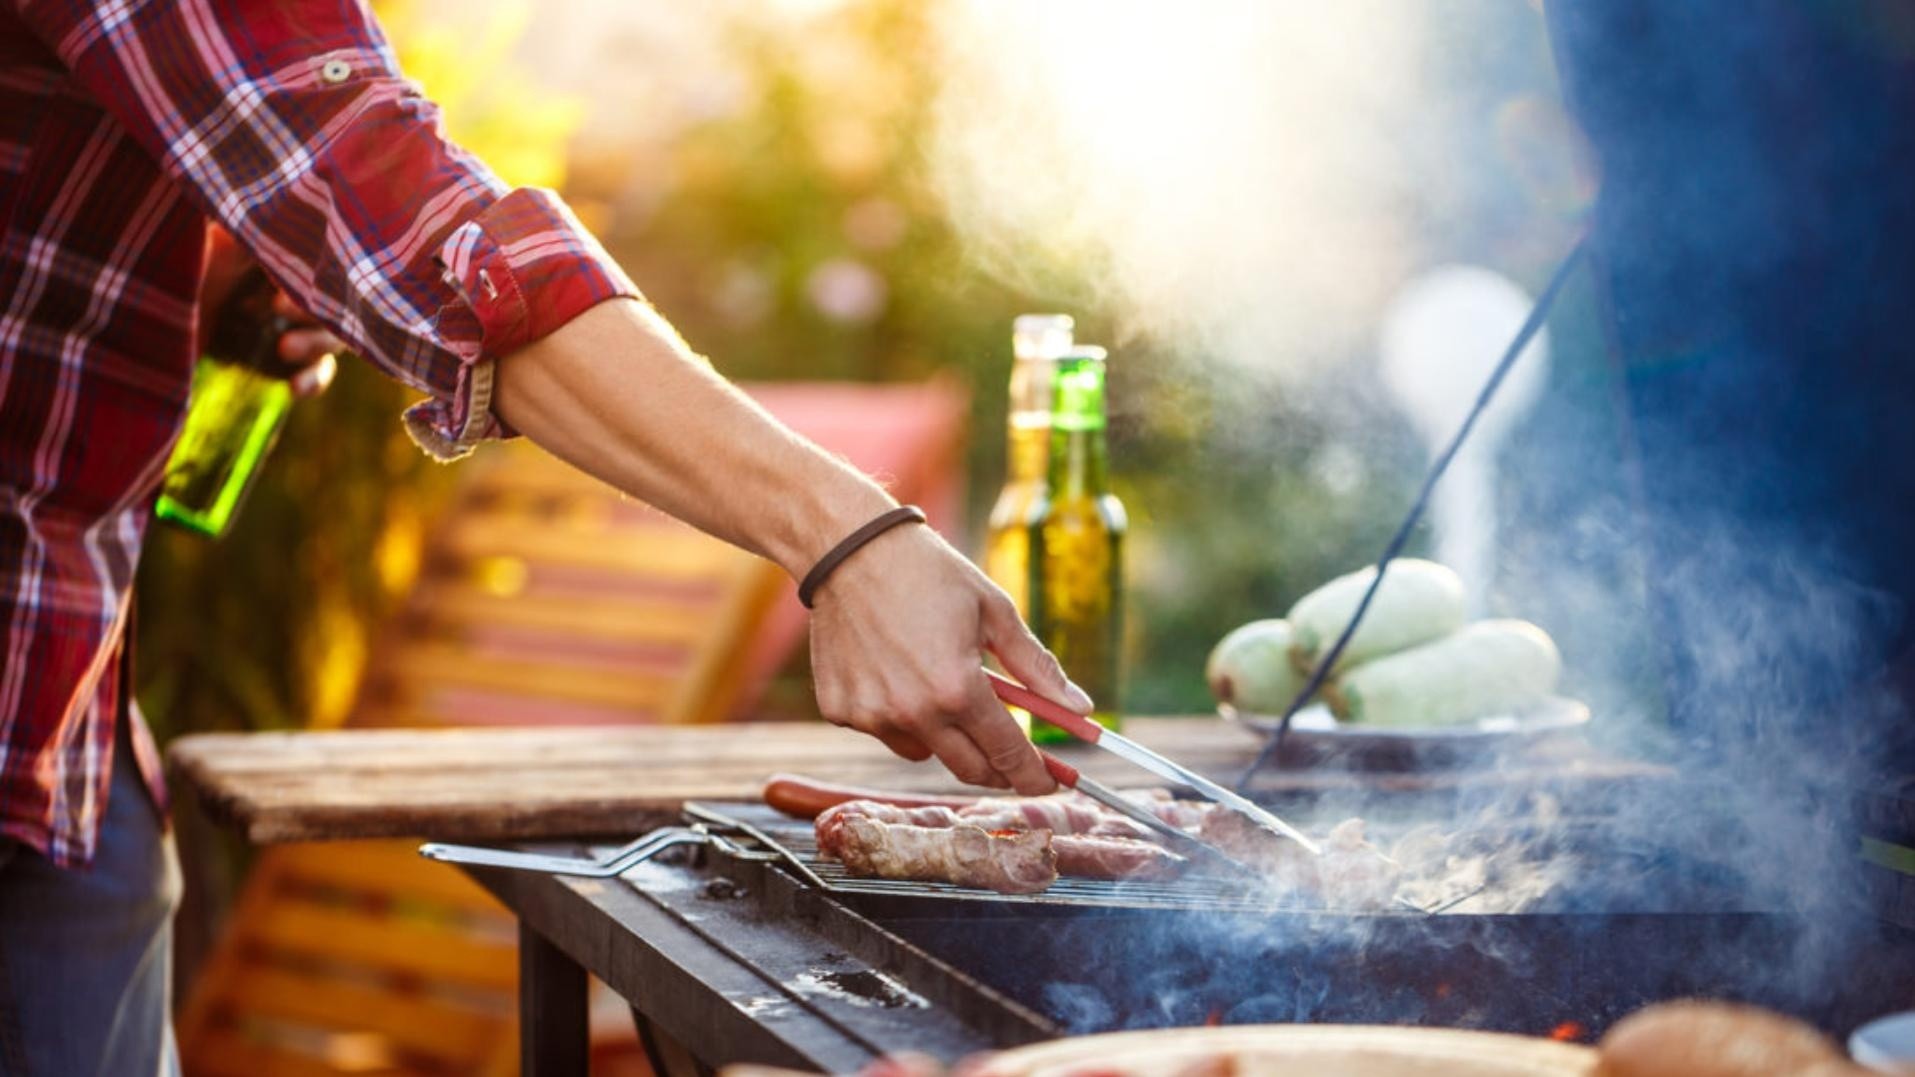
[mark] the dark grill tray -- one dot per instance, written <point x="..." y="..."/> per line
<point x="1094" y="955"/>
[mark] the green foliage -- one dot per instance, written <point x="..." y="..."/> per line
<point x="1233" y="514"/>
<point x="796" y="235"/>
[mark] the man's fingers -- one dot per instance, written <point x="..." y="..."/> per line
<point x="962" y="758"/>
<point x="1005" y="747"/>
<point x="313" y="379"/>
<point x="307" y="345"/>
<point x="1026" y="659"/>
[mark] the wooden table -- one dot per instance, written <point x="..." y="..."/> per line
<point x="548" y="783"/>
<point x="500" y="784"/>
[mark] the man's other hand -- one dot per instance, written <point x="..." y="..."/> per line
<point x="898" y="638"/>
<point x="306" y="350"/>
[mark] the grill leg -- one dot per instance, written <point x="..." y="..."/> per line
<point x="668" y="1057"/>
<point x="552" y="1016"/>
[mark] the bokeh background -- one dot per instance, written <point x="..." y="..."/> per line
<point x="1230" y="196"/>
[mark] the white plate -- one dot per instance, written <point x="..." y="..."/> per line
<point x="1296" y="1051"/>
<point x="1886" y="1044"/>
<point x="1316" y="735"/>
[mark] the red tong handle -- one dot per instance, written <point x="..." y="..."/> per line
<point x="1065" y="774"/>
<point x="1057" y="714"/>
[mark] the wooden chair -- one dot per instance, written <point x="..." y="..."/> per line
<point x="356" y="958"/>
<point x="543" y="597"/>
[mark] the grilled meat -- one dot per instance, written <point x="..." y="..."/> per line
<point x="1083" y="839"/>
<point x="1009" y="862"/>
<point x="1087" y="855"/>
<point x="1352" y="873"/>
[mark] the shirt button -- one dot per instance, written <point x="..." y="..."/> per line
<point x="336" y="71"/>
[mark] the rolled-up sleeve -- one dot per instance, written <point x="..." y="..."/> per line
<point x="290" y="123"/>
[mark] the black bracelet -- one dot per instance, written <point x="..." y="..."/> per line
<point x="903" y="514"/>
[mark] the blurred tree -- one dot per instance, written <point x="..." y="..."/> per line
<point x="772" y="194"/>
<point x="801" y="234"/>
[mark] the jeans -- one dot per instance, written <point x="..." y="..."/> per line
<point x="86" y="956"/>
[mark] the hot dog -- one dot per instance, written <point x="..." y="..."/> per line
<point x="807" y="798"/>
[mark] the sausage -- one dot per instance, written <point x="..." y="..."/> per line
<point x="804" y="798"/>
<point x="1090" y="857"/>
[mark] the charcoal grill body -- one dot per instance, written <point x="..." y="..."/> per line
<point x="779" y="958"/>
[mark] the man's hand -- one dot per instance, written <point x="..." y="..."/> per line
<point x="306" y="351"/>
<point x="308" y="348"/>
<point x="898" y="636"/>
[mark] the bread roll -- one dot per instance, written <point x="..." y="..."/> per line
<point x="1714" y="1039"/>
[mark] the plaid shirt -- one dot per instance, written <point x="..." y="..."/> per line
<point x="124" y="126"/>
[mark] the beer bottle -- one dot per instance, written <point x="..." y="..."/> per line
<point x="238" y="404"/>
<point x="1036" y="342"/>
<point x="1076" y="534"/>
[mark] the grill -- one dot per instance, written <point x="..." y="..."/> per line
<point x="888" y="965"/>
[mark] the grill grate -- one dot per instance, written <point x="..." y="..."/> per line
<point x="795" y="842"/>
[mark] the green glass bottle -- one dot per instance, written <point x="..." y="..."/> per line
<point x="238" y="404"/>
<point x="1076" y="529"/>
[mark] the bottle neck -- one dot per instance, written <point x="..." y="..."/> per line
<point x="1077" y="427"/>
<point x="1030" y="419"/>
<point x="1029" y="447"/>
<point x="1079" y="465"/>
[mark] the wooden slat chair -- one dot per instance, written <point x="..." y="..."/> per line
<point x="345" y="958"/>
<point x="545" y="598"/>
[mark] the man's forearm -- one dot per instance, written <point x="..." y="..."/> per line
<point x="616" y="393"/>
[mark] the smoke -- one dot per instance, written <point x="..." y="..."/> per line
<point x="1231" y="181"/>
<point x="1250" y="183"/>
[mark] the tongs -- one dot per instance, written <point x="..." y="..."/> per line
<point x="1117" y="744"/>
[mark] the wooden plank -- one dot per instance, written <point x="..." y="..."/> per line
<point x="386" y="868"/>
<point x="552" y="782"/>
<point x="711" y="682"/>
<point x="430" y="667"/>
<point x="230" y="1053"/>
<point x="420" y="948"/>
<point x="458" y="1036"/>
<point x="643" y="552"/>
<point x="444" y="609"/>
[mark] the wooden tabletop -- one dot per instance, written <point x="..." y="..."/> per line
<point x="545" y="782"/>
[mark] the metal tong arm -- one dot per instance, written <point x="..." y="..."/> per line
<point x="611" y="864"/>
<point x="1123" y="747"/>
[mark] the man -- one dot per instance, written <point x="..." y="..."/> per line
<point x="124" y="128"/>
<point x="1753" y="249"/>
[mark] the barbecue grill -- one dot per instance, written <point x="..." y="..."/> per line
<point x="752" y="947"/>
